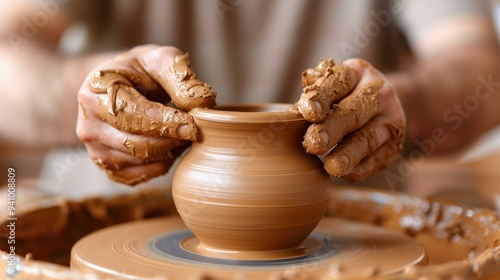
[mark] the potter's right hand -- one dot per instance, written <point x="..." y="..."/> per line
<point x="356" y="116"/>
<point x="122" y="119"/>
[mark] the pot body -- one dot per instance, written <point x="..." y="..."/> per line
<point x="247" y="183"/>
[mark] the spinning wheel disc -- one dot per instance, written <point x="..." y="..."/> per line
<point x="165" y="248"/>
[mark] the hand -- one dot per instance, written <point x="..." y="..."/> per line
<point x="355" y="111"/>
<point x="122" y="119"/>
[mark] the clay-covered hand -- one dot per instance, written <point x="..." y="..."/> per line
<point x="355" y="111"/>
<point x="123" y="120"/>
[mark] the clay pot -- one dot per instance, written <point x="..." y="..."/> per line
<point x="247" y="183"/>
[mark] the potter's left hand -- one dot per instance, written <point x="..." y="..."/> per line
<point x="124" y="120"/>
<point x="355" y="111"/>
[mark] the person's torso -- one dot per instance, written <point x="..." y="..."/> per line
<point x="253" y="51"/>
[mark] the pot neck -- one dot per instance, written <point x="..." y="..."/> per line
<point x="261" y="126"/>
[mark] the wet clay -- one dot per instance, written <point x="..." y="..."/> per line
<point x="246" y="185"/>
<point x="362" y="103"/>
<point x="370" y="148"/>
<point x="323" y="85"/>
<point x="128" y="110"/>
<point x="120" y="103"/>
<point x="461" y="243"/>
<point x="146" y="251"/>
<point x="189" y="92"/>
<point x="50" y="228"/>
<point x="326" y="101"/>
<point x="125" y="108"/>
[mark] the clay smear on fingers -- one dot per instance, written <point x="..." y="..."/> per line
<point x="355" y="147"/>
<point x="186" y="91"/>
<point x="331" y="84"/>
<point x="152" y="151"/>
<point x="138" y="174"/>
<point x="311" y="75"/>
<point x="128" y="110"/>
<point x="347" y="116"/>
<point x="382" y="156"/>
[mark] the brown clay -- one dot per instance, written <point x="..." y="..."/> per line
<point x="362" y="103"/>
<point x="348" y="118"/>
<point x="247" y="184"/>
<point x="324" y="85"/>
<point x="188" y="91"/>
<point x="374" y="162"/>
<point x="126" y="251"/>
<point x="125" y="108"/>
<point x="461" y="243"/>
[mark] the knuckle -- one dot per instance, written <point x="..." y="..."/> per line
<point x="165" y="51"/>
<point x="84" y="134"/>
<point x="126" y="179"/>
<point x="401" y="119"/>
<point x="109" y="163"/>
<point x="363" y="62"/>
<point x="144" y="47"/>
<point x="85" y="98"/>
<point x="388" y="92"/>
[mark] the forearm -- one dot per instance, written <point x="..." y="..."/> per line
<point x="38" y="88"/>
<point x="452" y="96"/>
<point x="451" y="90"/>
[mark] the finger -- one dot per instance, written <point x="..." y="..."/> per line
<point x="311" y="75"/>
<point x="348" y="115"/>
<point x="133" y="113"/>
<point x="172" y="70"/>
<point x="374" y="163"/>
<point x="137" y="174"/>
<point x="337" y="82"/>
<point x="152" y="149"/>
<point x="108" y="159"/>
<point x="143" y="147"/>
<point x="355" y="147"/>
<point x="129" y="70"/>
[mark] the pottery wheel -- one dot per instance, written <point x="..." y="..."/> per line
<point x="165" y="249"/>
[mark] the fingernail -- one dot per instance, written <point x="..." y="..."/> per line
<point x="344" y="163"/>
<point x="314" y="112"/>
<point x="318" y="106"/>
<point x="187" y="132"/>
<point x="325" y="138"/>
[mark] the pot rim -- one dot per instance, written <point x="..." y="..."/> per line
<point x="248" y="113"/>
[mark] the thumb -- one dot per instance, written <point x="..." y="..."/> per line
<point x="169" y="67"/>
<point x="133" y="113"/>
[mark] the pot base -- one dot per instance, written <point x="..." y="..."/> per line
<point x="312" y="245"/>
<point x="147" y="249"/>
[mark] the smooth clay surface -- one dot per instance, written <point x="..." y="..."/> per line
<point x="348" y="249"/>
<point x="461" y="243"/>
<point x="247" y="185"/>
